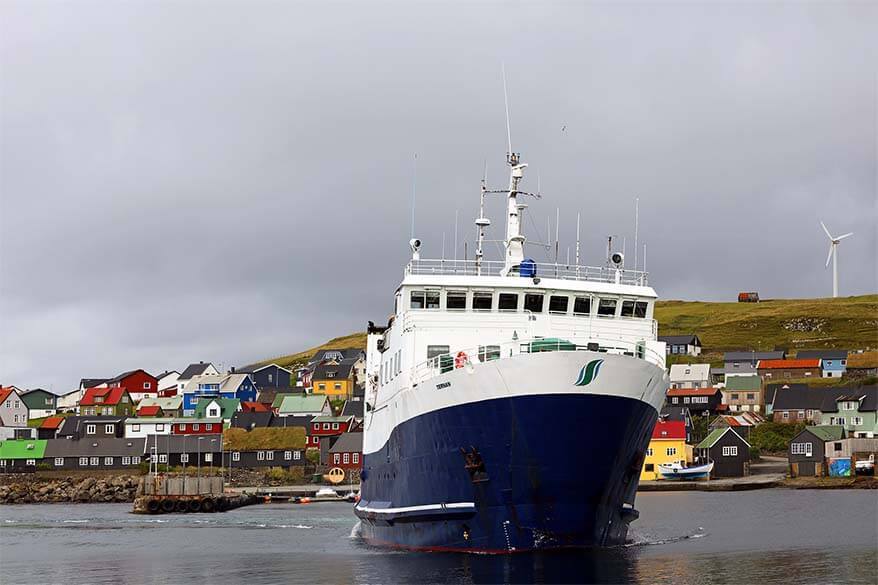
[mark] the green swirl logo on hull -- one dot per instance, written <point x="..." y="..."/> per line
<point x="589" y="372"/>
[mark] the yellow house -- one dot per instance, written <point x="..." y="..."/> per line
<point x="668" y="445"/>
<point x="335" y="380"/>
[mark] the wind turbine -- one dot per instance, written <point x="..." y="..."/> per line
<point x="833" y="256"/>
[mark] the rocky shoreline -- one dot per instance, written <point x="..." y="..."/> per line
<point x="34" y="490"/>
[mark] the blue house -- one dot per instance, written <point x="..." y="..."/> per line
<point x="834" y="361"/>
<point x="270" y="376"/>
<point x="239" y="386"/>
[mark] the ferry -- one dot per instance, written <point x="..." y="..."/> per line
<point x="509" y="403"/>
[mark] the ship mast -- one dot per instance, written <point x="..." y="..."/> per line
<point x="514" y="237"/>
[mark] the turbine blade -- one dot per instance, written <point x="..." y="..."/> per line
<point x="823" y="225"/>
<point x="829" y="256"/>
<point x="844" y="236"/>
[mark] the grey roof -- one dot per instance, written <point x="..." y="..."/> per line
<point x="752" y="356"/>
<point x="193" y="370"/>
<point x="95" y="447"/>
<point x="256" y="368"/>
<point x="184" y="443"/>
<point x="341" y="371"/>
<point x="292" y="421"/>
<point x="867" y="396"/>
<point x="167" y="373"/>
<point x="690" y="339"/>
<point x="72" y="424"/>
<point x="251" y="420"/>
<point x="348" y="443"/>
<point x="803" y="397"/>
<point x="677" y="413"/>
<point x="353" y="408"/>
<point x="824" y="354"/>
<point x="91" y="382"/>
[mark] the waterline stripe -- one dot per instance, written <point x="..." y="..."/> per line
<point x="452" y="506"/>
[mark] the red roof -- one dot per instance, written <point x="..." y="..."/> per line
<point x="53" y="422"/>
<point x="785" y="364"/>
<point x="255" y="407"/>
<point x="5" y="392"/>
<point x="692" y="391"/>
<point x="109" y="396"/>
<point x="150" y="410"/>
<point x="669" y="429"/>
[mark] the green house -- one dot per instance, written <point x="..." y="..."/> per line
<point x="855" y="411"/>
<point x="224" y="408"/>
<point x="21" y="455"/>
<point x="744" y="393"/>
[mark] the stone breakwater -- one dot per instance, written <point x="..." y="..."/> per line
<point x="66" y="490"/>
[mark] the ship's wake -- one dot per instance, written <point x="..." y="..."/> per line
<point x="636" y="538"/>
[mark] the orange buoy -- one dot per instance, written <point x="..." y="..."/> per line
<point x="460" y="359"/>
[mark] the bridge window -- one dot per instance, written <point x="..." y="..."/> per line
<point x="419" y="299"/>
<point x="508" y="302"/>
<point x="482" y="301"/>
<point x="607" y="308"/>
<point x="634" y="309"/>
<point x="558" y="304"/>
<point x="582" y="306"/>
<point x="533" y="303"/>
<point x="455" y="300"/>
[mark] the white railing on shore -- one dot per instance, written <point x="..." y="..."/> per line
<point x="445" y="363"/>
<point x="544" y="270"/>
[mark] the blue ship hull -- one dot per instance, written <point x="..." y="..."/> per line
<point x="508" y="475"/>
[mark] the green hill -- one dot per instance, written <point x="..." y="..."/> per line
<point x="845" y="323"/>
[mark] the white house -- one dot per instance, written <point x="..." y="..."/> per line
<point x="681" y="344"/>
<point x="690" y="376"/>
<point x="167" y="382"/>
<point x="193" y="371"/>
<point x="139" y="428"/>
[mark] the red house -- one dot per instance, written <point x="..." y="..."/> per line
<point x="196" y="427"/>
<point x="330" y="426"/>
<point x="138" y="383"/>
<point x="106" y="401"/>
<point x="347" y="453"/>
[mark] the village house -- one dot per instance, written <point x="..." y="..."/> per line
<point x="853" y="449"/>
<point x="218" y="408"/>
<point x="697" y="400"/>
<point x="106" y="401"/>
<point x="193" y="371"/>
<point x="333" y="380"/>
<point x="855" y="410"/>
<point x="801" y="403"/>
<point x="168" y="406"/>
<point x="196" y="426"/>
<point x="237" y="386"/>
<point x="185" y="451"/>
<point x="249" y="420"/>
<point x="275" y="447"/>
<point x="69" y="402"/>
<point x="138" y="383"/>
<point x="166" y="382"/>
<point x="862" y="364"/>
<point x="88" y="427"/>
<point x="743" y="393"/>
<point x="353" y="408"/>
<point x="13" y="410"/>
<point x="347" y="453"/>
<point x="21" y="455"/>
<point x="833" y="362"/>
<point x="788" y="369"/>
<point x="681" y="344"/>
<point x="255" y="407"/>
<point x="728" y="451"/>
<point x="104" y="452"/>
<point x="324" y="426"/>
<point x="806" y="450"/>
<point x="690" y="375"/>
<point x="742" y="423"/>
<point x="49" y="427"/>
<point x="680" y="414"/>
<point x="40" y="403"/>
<point x="141" y="428"/>
<point x="303" y="405"/>
<point x="268" y="376"/>
<point x="667" y="445"/>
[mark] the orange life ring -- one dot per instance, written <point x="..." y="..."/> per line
<point x="460" y="359"/>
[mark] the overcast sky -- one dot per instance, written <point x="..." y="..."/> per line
<point x="184" y="181"/>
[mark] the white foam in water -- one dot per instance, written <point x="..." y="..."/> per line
<point x="636" y="538"/>
<point x="74" y="521"/>
<point x="356" y="530"/>
<point x="300" y="526"/>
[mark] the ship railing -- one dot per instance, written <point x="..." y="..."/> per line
<point x="469" y="357"/>
<point x="544" y="270"/>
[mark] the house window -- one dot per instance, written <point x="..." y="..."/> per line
<point x="325" y="426"/>
<point x="334" y="426"/>
<point x="30" y="462"/>
<point x="558" y="303"/>
<point x="126" y="461"/>
<point x="288" y="455"/>
<point x="160" y="427"/>
<point x="83" y="461"/>
<point x="649" y="452"/>
<point x="671" y="451"/>
<point x="321" y="386"/>
<point x="213" y="413"/>
<point x="135" y="428"/>
<point x="297" y="455"/>
<point x="507" y="302"/>
<point x="356" y="458"/>
<point x="336" y="458"/>
<point x="581" y="305"/>
<point x="734" y="396"/>
<point x="260" y="455"/>
<point x="135" y="460"/>
<point x="163" y="458"/>
<point x="208" y="457"/>
<point x="751" y="396"/>
<point x="607" y="308"/>
<point x="94" y="460"/>
<point x="236" y="456"/>
<point x="108" y="461"/>
<point x="208" y="427"/>
<point x="786" y="415"/>
<point x="196" y="427"/>
<point x="836" y="446"/>
<point x="316" y="426"/>
<point x="269" y="455"/>
<point x="315" y="440"/>
<point x="2" y="463"/>
<point x="346" y="459"/>
<point x="856" y="420"/>
<point x="109" y="429"/>
<point x="801" y="414"/>
<point x="482" y="301"/>
<point x="182" y="427"/>
<point x="184" y="457"/>
<point x="270" y="378"/>
<point x="674" y="400"/>
<point x="337" y="385"/>
<point x="533" y="303"/>
<point x="685" y="400"/>
<point x="91" y="429"/>
<point x="730" y="451"/>
<point x="649" y="467"/>
<point x="59" y="461"/>
<point x="147" y="385"/>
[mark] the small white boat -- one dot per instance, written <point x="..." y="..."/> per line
<point x="677" y="471"/>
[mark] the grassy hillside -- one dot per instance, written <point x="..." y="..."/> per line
<point x="848" y="323"/>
